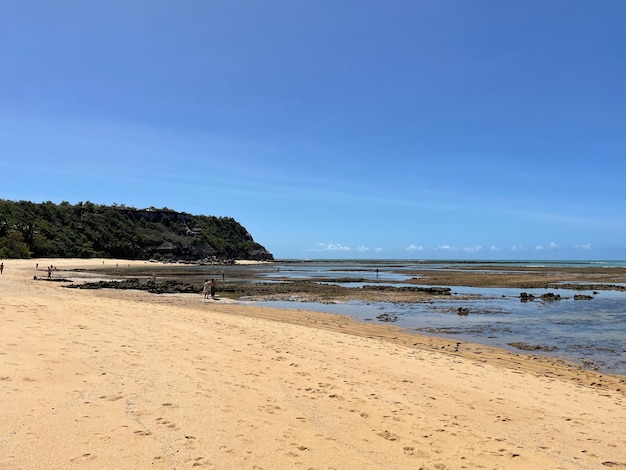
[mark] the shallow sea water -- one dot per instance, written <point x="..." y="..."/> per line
<point x="589" y="332"/>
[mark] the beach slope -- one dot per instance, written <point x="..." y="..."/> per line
<point x="93" y="379"/>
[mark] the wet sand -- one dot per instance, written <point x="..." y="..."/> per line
<point x="127" y="379"/>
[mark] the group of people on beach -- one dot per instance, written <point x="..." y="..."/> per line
<point x="50" y="269"/>
<point x="209" y="289"/>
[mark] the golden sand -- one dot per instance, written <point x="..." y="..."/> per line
<point x="104" y="379"/>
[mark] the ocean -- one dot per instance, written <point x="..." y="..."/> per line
<point x="588" y="332"/>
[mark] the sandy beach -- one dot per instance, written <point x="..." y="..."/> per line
<point x="110" y="379"/>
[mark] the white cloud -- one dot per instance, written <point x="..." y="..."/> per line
<point x="472" y="249"/>
<point x="586" y="246"/>
<point x="518" y="248"/>
<point x="414" y="248"/>
<point x="551" y="246"/>
<point x="331" y="247"/>
<point x="494" y="248"/>
<point x="445" y="248"/>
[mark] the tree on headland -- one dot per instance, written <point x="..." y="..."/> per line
<point x="13" y="246"/>
<point x="88" y="230"/>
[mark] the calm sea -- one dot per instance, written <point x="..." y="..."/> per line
<point x="589" y="332"/>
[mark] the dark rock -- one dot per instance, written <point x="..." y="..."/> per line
<point x="586" y="286"/>
<point x="531" y="347"/>
<point x="387" y="317"/>
<point x="154" y="287"/>
<point x="51" y="279"/>
<point x="550" y="296"/>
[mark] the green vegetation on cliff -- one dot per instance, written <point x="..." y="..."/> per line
<point x="87" y="230"/>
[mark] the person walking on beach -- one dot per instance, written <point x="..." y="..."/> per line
<point x="1" y="267"/>
<point x="205" y="289"/>
<point x="213" y="286"/>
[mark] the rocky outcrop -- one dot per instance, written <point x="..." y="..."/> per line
<point x="155" y="287"/>
<point x="526" y="297"/>
<point x="583" y="297"/>
<point x="185" y="237"/>
<point x="550" y="296"/>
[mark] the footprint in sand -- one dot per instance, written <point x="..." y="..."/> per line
<point x="361" y="413"/>
<point x="165" y="422"/>
<point x="388" y="435"/>
<point x="336" y="397"/>
<point x="300" y="447"/>
<point x="271" y="409"/>
<point x="83" y="458"/>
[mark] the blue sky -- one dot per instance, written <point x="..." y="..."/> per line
<point x="330" y="129"/>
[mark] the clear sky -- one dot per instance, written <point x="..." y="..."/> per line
<point x="417" y="129"/>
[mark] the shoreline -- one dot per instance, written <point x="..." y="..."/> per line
<point x="520" y="277"/>
<point x="401" y="286"/>
<point x="105" y="378"/>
